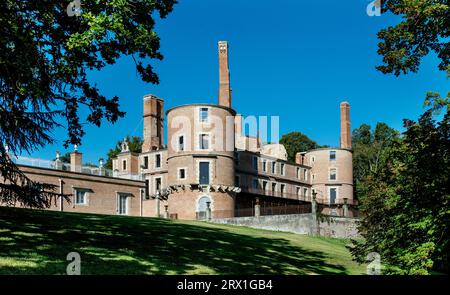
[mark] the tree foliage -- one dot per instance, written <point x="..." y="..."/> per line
<point x="370" y="149"/>
<point x="425" y="28"/>
<point x="45" y="57"/>
<point x="406" y="204"/>
<point x="134" y="144"/>
<point x="295" y="142"/>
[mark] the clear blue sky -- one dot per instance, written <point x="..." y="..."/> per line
<point x="293" y="59"/>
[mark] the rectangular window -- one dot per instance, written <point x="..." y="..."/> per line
<point x="274" y="167"/>
<point x="264" y="162"/>
<point x="182" y="173"/>
<point x="146" y="162"/>
<point x="264" y="185"/>
<point x="283" y="188"/>
<point x="255" y="183"/>
<point x="147" y="187"/>
<point x="80" y="197"/>
<point x="298" y="191"/>
<point x="204" y="172"/>
<point x="157" y="185"/>
<point x="158" y="161"/>
<point x="255" y="163"/>
<point x="332" y="155"/>
<point x="274" y="187"/>
<point x="122" y="204"/>
<point x="298" y="173"/>
<point x="204" y="114"/>
<point x="282" y="168"/>
<point x="305" y="174"/>
<point x="333" y="195"/>
<point x="181" y="143"/>
<point x="305" y="192"/>
<point x="124" y="165"/>
<point x="333" y="174"/>
<point x="203" y="141"/>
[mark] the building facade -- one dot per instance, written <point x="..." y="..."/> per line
<point x="208" y="168"/>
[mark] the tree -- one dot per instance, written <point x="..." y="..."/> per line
<point x="406" y="204"/>
<point x="134" y="144"/>
<point x="425" y="27"/>
<point x="295" y="142"/>
<point x="45" y="54"/>
<point x="370" y="149"/>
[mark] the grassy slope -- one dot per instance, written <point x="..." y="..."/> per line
<point x="37" y="242"/>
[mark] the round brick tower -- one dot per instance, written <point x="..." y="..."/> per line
<point x="201" y="160"/>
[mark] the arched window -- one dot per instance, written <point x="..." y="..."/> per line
<point x="202" y="206"/>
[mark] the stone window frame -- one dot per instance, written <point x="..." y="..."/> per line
<point x="199" y="110"/>
<point x="264" y="165"/>
<point x="267" y="185"/>
<point x="305" y="192"/>
<point x="329" y="194"/>
<point x="273" y="168"/>
<point x="283" y="188"/>
<point x="86" y="196"/>
<point x="184" y="142"/>
<point x="276" y="186"/>
<point x="211" y="170"/>
<point x="124" y="165"/>
<point x="185" y="173"/>
<point x="160" y="161"/>
<point x="197" y="142"/>
<point x="299" y="173"/>
<point x="145" y="162"/>
<point x="336" y="174"/>
<point x="305" y="174"/>
<point x="282" y="169"/>
<point x="128" y="195"/>
<point x="312" y="160"/>
<point x="154" y="183"/>
<point x="211" y="199"/>
<point x="334" y="152"/>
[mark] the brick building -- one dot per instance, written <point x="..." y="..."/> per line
<point x="207" y="168"/>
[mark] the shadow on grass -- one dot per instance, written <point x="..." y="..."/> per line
<point x="37" y="242"/>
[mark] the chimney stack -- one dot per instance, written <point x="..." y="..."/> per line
<point x="224" y="75"/>
<point x="153" y="123"/>
<point x="346" y="136"/>
<point x="76" y="160"/>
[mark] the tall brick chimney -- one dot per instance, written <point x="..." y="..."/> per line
<point x="76" y="160"/>
<point x="153" y="123"/>
<point x="346" y="136"/>
<point x="224" y="75"/>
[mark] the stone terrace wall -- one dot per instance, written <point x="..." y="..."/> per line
<point x="335" y="227"/>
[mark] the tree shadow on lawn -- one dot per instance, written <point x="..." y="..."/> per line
<point x="37" y="242"/>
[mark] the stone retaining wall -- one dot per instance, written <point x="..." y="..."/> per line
<point x="336" y="227"/>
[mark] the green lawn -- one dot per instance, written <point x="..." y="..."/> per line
<point x="37" y="242"/>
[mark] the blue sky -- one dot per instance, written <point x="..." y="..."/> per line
<point x="293" y="59"/>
